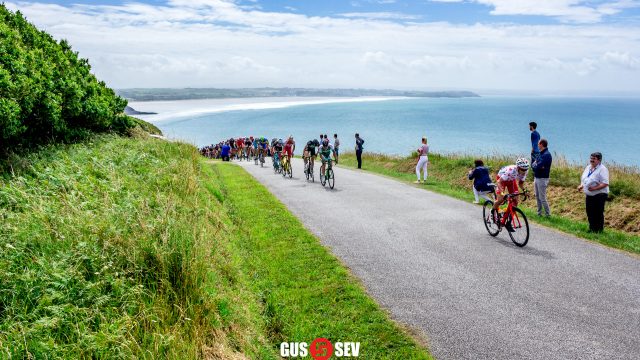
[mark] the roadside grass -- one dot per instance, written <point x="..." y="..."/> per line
<point x="305" y="291"/>
<point x="447" y="175"/>
<point x="119" y="248"/>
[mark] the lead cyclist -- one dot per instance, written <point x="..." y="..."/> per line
<point x="509" y="177"/>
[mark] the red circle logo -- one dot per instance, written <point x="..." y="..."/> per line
<point x="321" y="349"/>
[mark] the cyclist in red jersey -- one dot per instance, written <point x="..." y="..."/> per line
<point x="509" y="177"/>
<point x="289" y="147"/>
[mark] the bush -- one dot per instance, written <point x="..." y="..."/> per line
<point x="47" y="93"/>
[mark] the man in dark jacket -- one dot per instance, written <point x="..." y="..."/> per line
<point x="541" y="169"/>
<point x="481" y="181"/>
<point x="359" y="147"/>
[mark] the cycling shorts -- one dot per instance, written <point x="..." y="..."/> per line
<point x="511" y="186"/>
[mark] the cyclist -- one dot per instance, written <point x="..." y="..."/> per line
<point x="247" y="147"/>
<point x="254" y="145"/>
<point x="277" y="152"/>
<point x="325" y="152"/>
<point x="509" y="177"/>
<point x="262" y="147"/>
<point x="289" y="147"/>
<point x="309" y="153"/>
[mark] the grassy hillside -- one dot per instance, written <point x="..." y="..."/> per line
<point x="136" y="248"/>
<point x="448" y="175"/>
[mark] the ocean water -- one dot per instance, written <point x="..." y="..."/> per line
<point x="574" y="127"/>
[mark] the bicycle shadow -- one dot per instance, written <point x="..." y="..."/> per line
<point x="526" y="250"/>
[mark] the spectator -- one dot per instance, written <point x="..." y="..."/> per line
<point x="535" y="137"/>
<point x="336" y="146"/>
<point x="541" y="169"/>
<point x="595" y="185"/>
<point x="226" y="149"/>
<point x="423" y="160"/>
<point x="359" y="142"/>
<point x="481" y="180"/>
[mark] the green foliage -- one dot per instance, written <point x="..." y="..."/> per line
<point x="47" y="93"/>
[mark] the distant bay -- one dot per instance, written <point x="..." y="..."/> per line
<point x="575" y="127"/>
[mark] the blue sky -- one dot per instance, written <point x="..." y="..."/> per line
<point x="454" y="11"/>
<point x="539" y="45"/>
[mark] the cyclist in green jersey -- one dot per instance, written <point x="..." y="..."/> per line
<point x="325" y="152"/>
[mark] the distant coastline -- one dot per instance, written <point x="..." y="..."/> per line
<point x="157" y="111"/>
<point x="167" y="94"/>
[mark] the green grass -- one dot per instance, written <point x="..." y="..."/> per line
<point x="447" y="175"/>
<point x="305" y="290"/>
<point x="117" y="248"/>
<point x="127" y="248"/>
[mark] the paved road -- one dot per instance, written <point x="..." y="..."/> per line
<point x="428" y="259"/>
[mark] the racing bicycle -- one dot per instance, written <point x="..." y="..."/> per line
<point x="328" y="177"/>
<point x="509" y="217"/>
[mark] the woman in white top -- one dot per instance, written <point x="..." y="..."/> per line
<point x="423" y="160"/>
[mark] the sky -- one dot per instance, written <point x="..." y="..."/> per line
<point x="541" y="46"/>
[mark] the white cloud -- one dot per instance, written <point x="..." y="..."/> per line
<point x="217" y="43"/>
<point x="380" y="16"/>
<point x="576" y="11"/>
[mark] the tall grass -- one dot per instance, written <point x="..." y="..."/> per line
<point x="117" y="249"/>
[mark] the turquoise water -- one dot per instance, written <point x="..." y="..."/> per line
<point x="574" y="127"/>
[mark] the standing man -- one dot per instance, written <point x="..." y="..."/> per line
<point x="541" y="169"/>
<point x="336" y="146"/>
<point x="595" y="185"/>
<point x="535" y="137"/>
<point x="359" y="142"/>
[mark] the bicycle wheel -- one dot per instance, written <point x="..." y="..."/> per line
<point x="487" y="217"/>
<point x="284" y="170"/>
<point x="313" y="179"/>
<point x="519" y="230"/>
<point x="330" y="179"/>
<point x="289" y="170"/>
<point x="261" y="160"/>
<point x="323" y="178"/>
<point x="307" y="170"/>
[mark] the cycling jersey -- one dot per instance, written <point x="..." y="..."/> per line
<point x="311" y="147"/>
<point x="510" y="173"/>
<point x="325" y="152"/>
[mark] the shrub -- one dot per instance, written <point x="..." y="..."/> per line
<point x="47" y="93"/>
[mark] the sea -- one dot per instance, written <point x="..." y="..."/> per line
<point x="488" y="125"/>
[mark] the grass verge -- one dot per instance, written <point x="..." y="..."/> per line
<point x="306" y="293"/>
<point x="447" y="175"/>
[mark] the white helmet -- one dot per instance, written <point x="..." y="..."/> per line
<point x="522" y="163"/>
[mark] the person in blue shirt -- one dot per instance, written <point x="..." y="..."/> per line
<point x="226" y="149"/>
<point x="481" y="181"/>
<point x="359" y="147"/>
<point x="535" y="137"/>
<point x="541" y="169"/>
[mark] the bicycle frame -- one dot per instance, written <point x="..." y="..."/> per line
<point x="509" y="213"/>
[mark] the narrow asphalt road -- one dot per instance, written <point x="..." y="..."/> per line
<point x="429" y="260"/>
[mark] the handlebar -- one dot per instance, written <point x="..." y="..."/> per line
<point x="524" y="194"/>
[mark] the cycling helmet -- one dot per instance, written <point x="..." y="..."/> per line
<point x="522" y="163"/>
<point x="280" y="141"/>
<point x="325" y="142"/>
